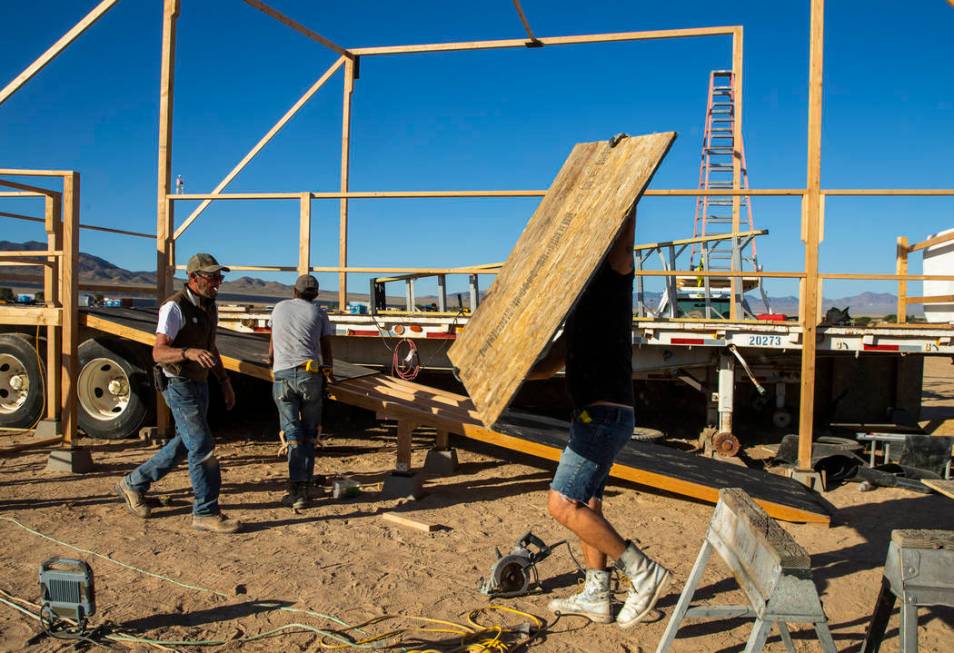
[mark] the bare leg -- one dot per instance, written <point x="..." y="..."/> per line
<point x="597" y="535"/>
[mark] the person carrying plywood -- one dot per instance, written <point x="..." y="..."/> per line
<point x="596" y="349"/>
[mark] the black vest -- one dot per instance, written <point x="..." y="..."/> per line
<point x="197" y="332"/>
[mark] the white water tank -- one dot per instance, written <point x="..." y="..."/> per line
<point x="939" y="259"/>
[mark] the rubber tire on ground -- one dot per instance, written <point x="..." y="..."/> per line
<point x="133" y="361"/>
<point x="20" y="347"/>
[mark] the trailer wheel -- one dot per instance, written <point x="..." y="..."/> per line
<point x="781" y="418"/>
<point x="21" y="382"/>
<point x="114" y="392"/>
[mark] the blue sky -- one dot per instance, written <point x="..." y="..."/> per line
<point x="473" y="120"/>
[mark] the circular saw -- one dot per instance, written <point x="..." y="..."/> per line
<point x="511" y="574"/>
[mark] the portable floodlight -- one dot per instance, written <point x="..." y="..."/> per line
<point x="66" y="590"/>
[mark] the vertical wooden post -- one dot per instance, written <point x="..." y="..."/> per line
<point x="405" y="431"/>
<point x="442" y="441"/>
<point x="304" y="234"/>
<point x="165" y="219"/>
<point x="737" y="284"/>
<point x="902" y="268"/>
<point x="812" y="233"/>
<point x="69" y="271"/>
<point x="51" y="294"/>
<point x="345" y="158"/>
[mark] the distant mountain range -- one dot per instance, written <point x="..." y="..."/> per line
<point x="94" y="269"/>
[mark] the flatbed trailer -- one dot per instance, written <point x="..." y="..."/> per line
<point x="708" y="355"/>
<point x="414" y="405"/>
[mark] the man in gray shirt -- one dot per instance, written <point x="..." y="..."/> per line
<point x="300" y="355"/>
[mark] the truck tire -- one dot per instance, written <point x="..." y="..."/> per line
<point x="113" y="388"/>
<point x="21" y="382"/>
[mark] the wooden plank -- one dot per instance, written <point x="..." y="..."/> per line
<point x="550" y="40"/>
<point x="298" y="27"/>
<point x="69" y="292"/>
<point x="523" y="19"/>
<point x="165" y="210"/>
<point x="813" y="200"/>
<point x="933" y="299"/>
<point x="90" y="227"/>
<point x="41" y="62"/>
<point x="409" y="523"/>
<point x="251" y="154"/>
<point x="901" y="267"/>
<point x="555" y="257"/>
<point x="701" y="239"/>
<point x="304" y="234"/>
<point x="942" y="487"/>
<point x="650" y="465"/>
<point x="30" y="315"/>
<point x="52" y="295"/>
<point x="345" y="164"/>
<point x="737" y="48"/>
<point x="930" y="242"/>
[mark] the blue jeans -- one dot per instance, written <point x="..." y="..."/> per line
<point x="297" y="395"/>
<point x="189" y="403"/>
<point x="597" y="435"/>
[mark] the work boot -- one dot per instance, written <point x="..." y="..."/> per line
<point x="217" y="523"/>
<point x="593" y="602"/>
<point x="134" y="500"/>
<point x="649" y="580"/>
<point x="297" y="496"/>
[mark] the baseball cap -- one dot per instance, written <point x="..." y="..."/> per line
<point x="306" y="282"/>
<point x="204" y="262"/>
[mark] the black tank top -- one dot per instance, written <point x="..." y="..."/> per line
<point x="599" y="341"/>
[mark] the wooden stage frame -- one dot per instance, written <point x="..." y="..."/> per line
<point x="813" y="196"/>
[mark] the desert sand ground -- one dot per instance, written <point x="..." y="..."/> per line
<point x="340" y="558"/>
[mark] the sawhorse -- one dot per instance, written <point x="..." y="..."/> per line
<point x="919" y="570"/>
<point x="773" y="571"/>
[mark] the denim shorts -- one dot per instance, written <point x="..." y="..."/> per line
<point x="597" y="435"/>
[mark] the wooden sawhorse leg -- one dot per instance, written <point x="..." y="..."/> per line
<point x="685" y="599"/>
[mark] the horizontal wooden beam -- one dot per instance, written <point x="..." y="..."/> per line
<point x="30" y="253"/>
<point x="720" y="274"/>
<point x="548" y="40"/>
<point x="298" y="27"/>
<point x="935" y="299"/>
<point x="33" y="315"/>
<point x="889" y="192"/>
<point x="20" y="194"/>
<point x="887" y="277"/>
<point x="23" y="172"/>
<point x="255" y="268"/>
<point x="108" y="287"/>
<point x="89" y="227"/>
<point x="703" y="239"/>
<point x="55" y="49"/>
<point x="27" y="187"/>
<point x="234" y="196"/>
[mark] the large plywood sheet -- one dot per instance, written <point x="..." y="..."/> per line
<point x="550" y="266"/>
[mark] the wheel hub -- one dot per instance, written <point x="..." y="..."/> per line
<point x="14" y="384"/>
<point x="103" y="389"/>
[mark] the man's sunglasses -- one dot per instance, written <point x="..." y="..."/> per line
<point x="211" y="276"/>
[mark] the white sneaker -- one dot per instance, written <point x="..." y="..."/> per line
<point x="593" y="602"/>
<point x="649" y="580"/>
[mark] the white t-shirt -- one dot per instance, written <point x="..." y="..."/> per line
<point x="297" y="329"/>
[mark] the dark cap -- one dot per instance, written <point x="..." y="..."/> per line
<point x="305" y="283"/>
<point x="203" y="262"/>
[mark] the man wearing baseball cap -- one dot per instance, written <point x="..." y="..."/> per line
<point x="185" y="350"/>
<point x="300" y="354"/>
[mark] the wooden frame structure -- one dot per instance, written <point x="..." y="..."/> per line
<point x="59" y="315"/>
<point x="813" y="195"/>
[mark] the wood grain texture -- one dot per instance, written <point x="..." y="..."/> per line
<point x="409" y="523"/>
<point x="551" y="264"/>
<point x="941" y="487"/>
